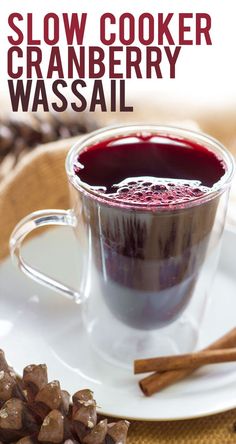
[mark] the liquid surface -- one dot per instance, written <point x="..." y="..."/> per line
<point x="150" y="170"/>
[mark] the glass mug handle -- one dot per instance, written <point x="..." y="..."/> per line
<point x="35" y="220"/>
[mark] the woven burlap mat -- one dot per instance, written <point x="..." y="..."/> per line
<point x="38" y="182"/>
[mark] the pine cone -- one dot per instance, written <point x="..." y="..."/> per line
<point x="22" y="132"/>
<point x="35" y="411"/>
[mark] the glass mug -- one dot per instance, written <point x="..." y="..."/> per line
<point x="147" y="299"/>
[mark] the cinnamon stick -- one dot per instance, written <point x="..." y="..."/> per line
<point x="190" y="360"/>
<point x="158" y="381"/>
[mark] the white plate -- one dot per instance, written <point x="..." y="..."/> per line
<point x="37" y="325"/>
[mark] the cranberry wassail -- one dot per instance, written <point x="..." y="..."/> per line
<point x="116" y="168"/>
<point x="149" y="256"/>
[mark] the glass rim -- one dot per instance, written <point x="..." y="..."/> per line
<point x="163" y="130"/>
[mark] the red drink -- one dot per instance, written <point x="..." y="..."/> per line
<point x="150" y="246"/>
<point x="149" y="170"/>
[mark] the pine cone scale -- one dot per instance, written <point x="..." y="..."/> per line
<point x="34" y="411"/>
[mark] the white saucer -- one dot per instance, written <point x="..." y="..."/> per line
<point x="37" y="325"/>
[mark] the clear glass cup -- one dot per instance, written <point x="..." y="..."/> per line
<point x="146" y="273"/>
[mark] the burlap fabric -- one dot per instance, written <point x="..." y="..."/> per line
<point x="38" y="182"/>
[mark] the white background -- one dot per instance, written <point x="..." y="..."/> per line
<point x="205" y="75"/>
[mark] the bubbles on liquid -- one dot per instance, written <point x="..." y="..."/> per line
<point x="156" y="191"/>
